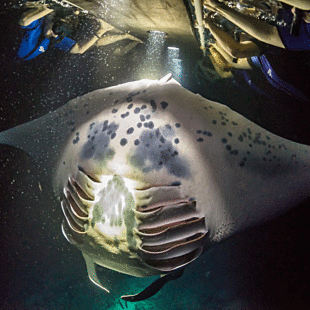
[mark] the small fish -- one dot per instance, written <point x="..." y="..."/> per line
<point x="149" y="174"/>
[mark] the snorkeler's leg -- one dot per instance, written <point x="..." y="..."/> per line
<point x="229" y="44"/>
<point x="255" y="27"/>
<point x="81" y="48"/>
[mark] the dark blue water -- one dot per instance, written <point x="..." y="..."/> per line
<point x="266" y="267"/>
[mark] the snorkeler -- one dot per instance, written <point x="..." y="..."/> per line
<point x="232" y="58"/>
<point x="273" y="35"/>
<point x="69" y="30"/>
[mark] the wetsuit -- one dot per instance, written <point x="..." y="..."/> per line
<point x="35" y="43"/>
<point x="278" y="74"/>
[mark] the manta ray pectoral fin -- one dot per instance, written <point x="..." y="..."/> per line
<point x="91" y="271"/>
<point x="154" y="287"/>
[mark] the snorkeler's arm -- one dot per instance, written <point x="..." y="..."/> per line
<point x="229" y="44"/>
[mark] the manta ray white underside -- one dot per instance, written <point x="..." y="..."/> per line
<point x="148" y="174"/>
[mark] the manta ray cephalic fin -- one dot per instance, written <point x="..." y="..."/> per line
<point x="91" y="271"/>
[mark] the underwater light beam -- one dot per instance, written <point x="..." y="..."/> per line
<point x="175" y="65"/>
<point x="152" y="66"/>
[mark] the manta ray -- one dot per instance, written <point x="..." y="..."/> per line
<point x="149" y="175"/>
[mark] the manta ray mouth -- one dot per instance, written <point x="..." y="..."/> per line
<point x="167" y="234"/>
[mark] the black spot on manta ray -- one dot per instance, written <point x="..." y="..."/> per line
<point x="123" y="142"/>
<point x="153" y="105"/>
<point x="207" y="133"/>
<point x="129" y="99"/>
<point x="132" y="94"/>
<point x="200" y="140"/>
<point x="136" y="110"/>
<point x="76" y="140"/>
<point x="130" y="106"/>
<point x="176" y="183"/>
<point x="164" y="104"/>
<point x="142" y="118"/>
<point x="114" y="111"/>
<point x="125" y="115"/>
<point x="130" y="130"/>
